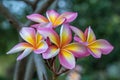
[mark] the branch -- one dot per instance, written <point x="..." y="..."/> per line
<point x="35" y="4"/>
<point x="32" y="4"/>
<point x="8" y="15"/>
<point x="28" y="2"/>
<point x="63" y="71"/>
<point x="44" y="7"/>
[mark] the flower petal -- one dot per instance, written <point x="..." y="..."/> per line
<point x="52" y="15"/>
<point x="90" y="35"/>
<point x="48" y="32"/>
<point x="19" y="47"/>
<point x="26" y="52"/>
<point x="37" y="18"/>
<point x="67" y="59"/>
<point x="77" y="50"/>
<point x="48" y="41"/>
<point x="78" y="32"/>
<point x="95" y="52"/>
<point x="103" y="45"/>
<point x="28" y="34"/>
<point x="51" y="52"/>
<point x="77" y="39"/>
<point x="41" y="47"/>
<point x="47" y="25"/>
<point x="70" y="16"/>
<point x="38" y="38"/>
<point x="58" y="21"/>
<point x="65" y="35"/>
<point x="35" y="25"/>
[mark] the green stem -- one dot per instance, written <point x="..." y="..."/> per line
<point x="55" y="77"/>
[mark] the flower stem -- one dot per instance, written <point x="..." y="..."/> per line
<point x="55" y="77"/>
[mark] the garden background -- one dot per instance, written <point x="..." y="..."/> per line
<point x="102" y="15"/>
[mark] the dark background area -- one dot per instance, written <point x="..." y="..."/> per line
<point x="102" y="15"/>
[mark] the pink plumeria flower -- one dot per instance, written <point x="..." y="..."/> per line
<point x="61" y="45"/>
<point x="34" y="42"/>
<point x="95" y="47"/>
<point x="53" y="17"/>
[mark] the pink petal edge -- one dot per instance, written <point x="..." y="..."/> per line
<point x="68" y="63"/>
<point x="24" y="54"/>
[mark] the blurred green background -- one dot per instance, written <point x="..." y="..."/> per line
<point x="102" y="15"/>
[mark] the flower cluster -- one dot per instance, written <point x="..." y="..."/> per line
<point x="41" y="38"/>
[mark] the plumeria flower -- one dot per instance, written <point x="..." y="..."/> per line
<point x="34" y="42"/>
<point x="74" y="74"/>
<point x="88" y="39"/>
<point x="53" y="17"/>
<point x="61" y="45"/>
